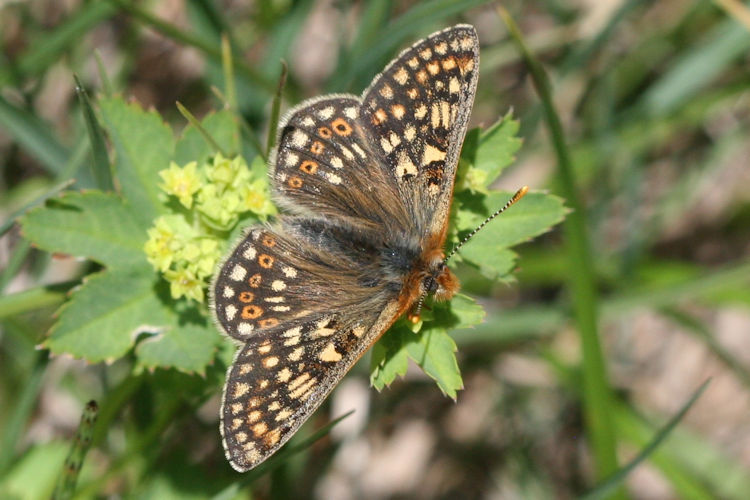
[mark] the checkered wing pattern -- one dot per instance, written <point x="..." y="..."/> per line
<point x="417" y="112"/>
<point x="366" y="184"/>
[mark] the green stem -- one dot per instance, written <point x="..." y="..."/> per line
<point x="597" y="397"/>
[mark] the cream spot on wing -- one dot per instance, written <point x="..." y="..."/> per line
<point x="336" y="162"/>
<point x="291" y="159"/>
<point x="265" y="348"/>
<point x="467" y="43"/>
<point x="280" y="308"/>
<point x="395" y="139"/>
<point x="245" y="328"/>
<point x="386" y="145"/>
<point x="413" y="63"/>
<point x="398" y="111"/>
<point x="236" y="408"/>
<point x="245" y="368"/>
<point x="358" y="331"/>
<point x="303" y="389"/>
<point x="358" y="150"/>
<point x="284" y="375"/>
<point x="449" y="64"/>
<point x="333" y="178"/>
<point x="292" y="341"/>
<point x="278" y="285"/>
<point x="380" y="116"/>
<point x="431" y="153"/>
<point x="412" y="93"/>
<point x="433" y="67"/>
<point x="299" y="138"/>
<point x="404" y="165"/>
<point x="241" y="437"/>
<point x="425" y="54"/>
<point x="454" y="45"/>
<point x="289" y="271"/>
<point x="254" y="416"/>
<point x="272" y="438"/>
<point x="454" y="86"/>
<point x="240" y="390"/>
<point x="351" y="113"/>
<point x="401" y="76"/>
<point x="308" y="121"/>
<point x="329" y="354"/>
<point x="270" y="361"/>
<point x="254" y="402"/>
<point x="260" y="429"/>
<point x="238" y="273"/>
<point x="249" y="253"/>
<point x="275" y="300"/>
<point x="263" y="383"/>
<point x="445" y="112"/>
<point x="421" y="111"/>
<point x="228" y="292"/>
<point x="441" y="48"/>
<point x="274" y="406"/>
<point x="410" y="133"/>
<point x="347" y="152"/>
<point x="230" y="312"/>
<point x="283" y="414"/>
<point x="236" y="424"/>
<point x="296" y="354"/>
<point x="435" y="115"/>
<point x="299" y="381"/>
<point x="387" y="92"/>
<point x="292" y="332"/>
<point x="326" y="113"/>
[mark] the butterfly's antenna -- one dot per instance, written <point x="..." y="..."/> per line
<point x="519" y="194"/>
<point x="414" y="315"/>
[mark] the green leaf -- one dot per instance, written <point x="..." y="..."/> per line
<point x="434" y="351"/>
<point x="96" y="225"/>
<point x="104" y="316"/>
<point x="389" y="358"/>
<point x="192" y="146"/>
<point x="497" y="147"/>
<point x="465" y="312"/>
<point x="34" y="475"/>
<point x="188" y="344"/>
<point x="143" y="146"/>
<point x="535" y="214"/>
<point x="101" y="169"/>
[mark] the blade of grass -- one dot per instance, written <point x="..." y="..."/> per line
<point x="100" y="167"/>
<point x="20" y="411"/>
<point x="273" y="121"/>
<point x="33" y="135"/>
<point x="74" y="461"/>
<point x="230" y="90"/>
<point x="106" y="83"/>
<point x="614" y="481"/>
<point x="597" y="392"/>
<point x="195" y="123"/>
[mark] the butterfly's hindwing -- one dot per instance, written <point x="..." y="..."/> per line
<point x="275" y="383"/>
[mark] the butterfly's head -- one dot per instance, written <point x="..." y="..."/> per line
<point x="440" y="282"/>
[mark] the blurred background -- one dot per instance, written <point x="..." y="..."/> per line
<point x="654" y="99"/>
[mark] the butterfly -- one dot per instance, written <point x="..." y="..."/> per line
<point x="366" y="185"/>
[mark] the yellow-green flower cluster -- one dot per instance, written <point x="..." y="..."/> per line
<point x="185" y="244"/>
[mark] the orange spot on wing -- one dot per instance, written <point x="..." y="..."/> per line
<point x="251" y="312"/>
<point x="265" y="261"/>
<point x="254" y="280"/>
<point x="341" y="127"/>
<point x="246" y="297"/>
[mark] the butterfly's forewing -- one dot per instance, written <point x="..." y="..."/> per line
<point x="417" y="112"/>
